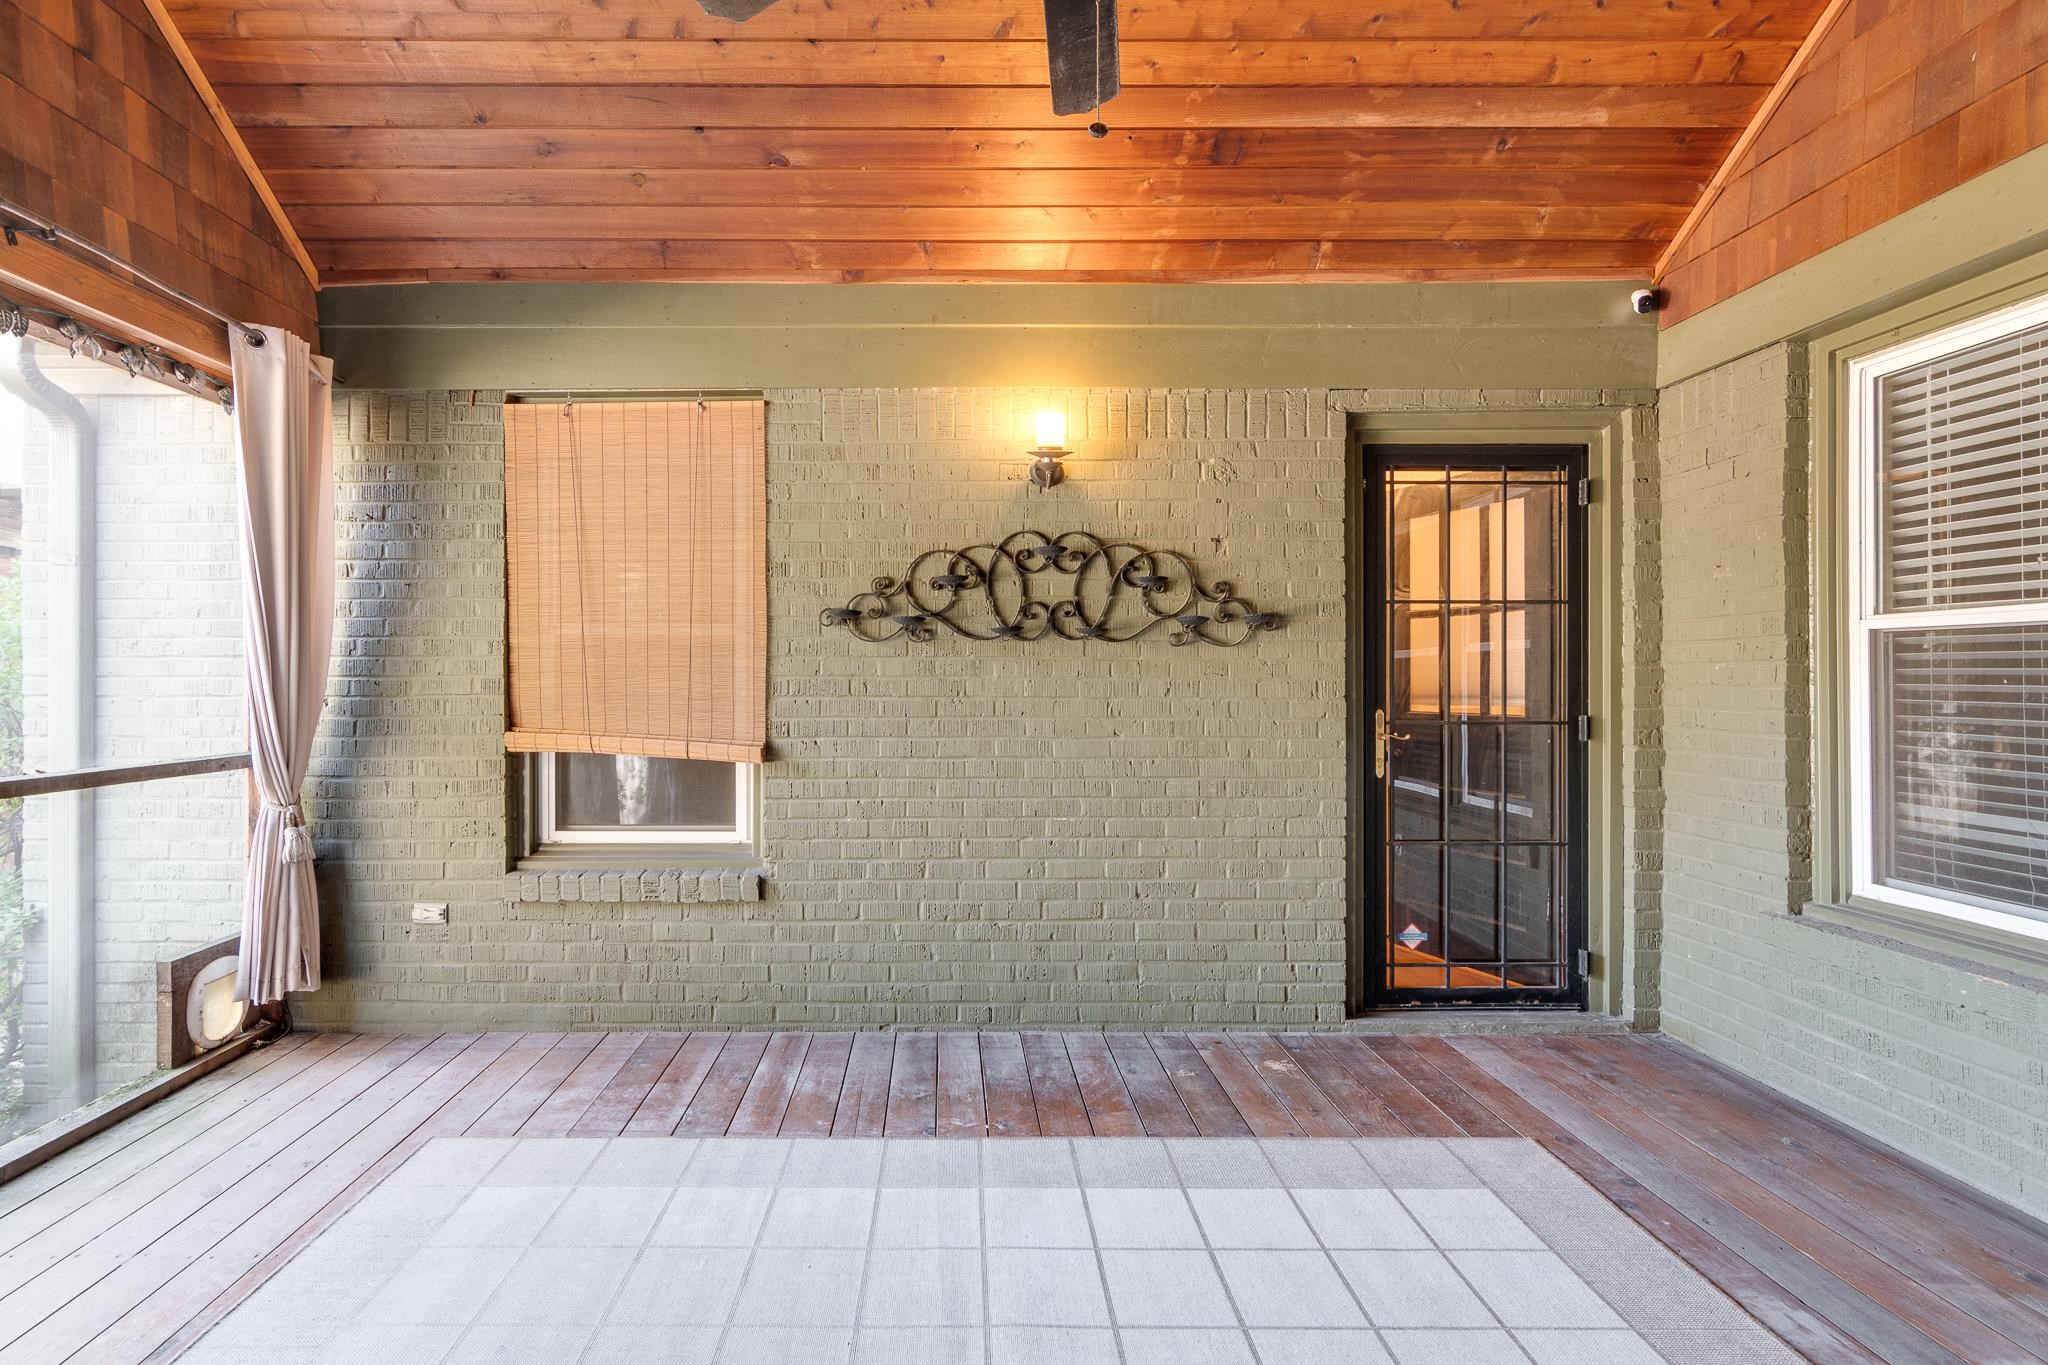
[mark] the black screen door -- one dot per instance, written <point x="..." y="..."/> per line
<point x="1470" y="730"/>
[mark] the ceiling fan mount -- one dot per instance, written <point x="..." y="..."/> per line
<point x="1080" y="47"/>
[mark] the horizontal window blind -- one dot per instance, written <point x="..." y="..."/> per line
<point x="1964" y="491"/>
<point x="636" y="579"/>
<point x="1964" y="743"/>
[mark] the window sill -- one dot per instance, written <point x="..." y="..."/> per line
<point x="1925" y="934"/>
<point x="580" y="880"/>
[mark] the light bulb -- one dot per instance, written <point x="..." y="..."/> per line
<point x="1052" y="430"/>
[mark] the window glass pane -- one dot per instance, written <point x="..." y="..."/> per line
<point x="120" y="596"/>
<point x="1962" y="763"/>
<point x="603" y="791"/>
<point x="120" y="878"/>
<point x="1963" y="477"/>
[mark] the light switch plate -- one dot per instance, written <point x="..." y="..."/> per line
<point x="429" y="912"/>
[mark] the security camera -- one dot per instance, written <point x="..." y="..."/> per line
<point x="1645" y="300"/>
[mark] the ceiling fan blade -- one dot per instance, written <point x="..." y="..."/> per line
<point x="1080" y="48"/>
<point x="739" y="11"/>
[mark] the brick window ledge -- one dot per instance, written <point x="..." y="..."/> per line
<point x="673" y="886"/>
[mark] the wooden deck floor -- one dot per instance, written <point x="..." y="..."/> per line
<point x="128" y="1247"/>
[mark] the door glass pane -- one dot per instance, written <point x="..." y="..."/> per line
<point x="1415" y="917"/>
<point x="1529" y="771"/>
<point x="1477" y="551"/>
<point x="1535" y="688"/>
<point x="1528" y="902"/>
<point x="1416" y="676"/>
<point x="1472" y="902"/>
<point x="1530" y="529"/>
<point x="1416" y="541"/>
<point x="603" y="791"/>
<point x="1469" y="660"/>
<point x="1474" y="809"/>
<point x="1415" y="783"/>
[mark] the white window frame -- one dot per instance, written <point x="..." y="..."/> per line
<point x="548" y="835"/>
<point x="1868" y="621"/>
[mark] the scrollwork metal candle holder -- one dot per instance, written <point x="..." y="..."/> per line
<point x="1113" y="592"/>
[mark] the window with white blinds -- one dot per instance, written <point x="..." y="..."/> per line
<point x="1948" y="662"/>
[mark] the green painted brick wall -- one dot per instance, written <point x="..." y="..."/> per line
<point x="966" y="834"/>
<point x="1947" y="1063"/>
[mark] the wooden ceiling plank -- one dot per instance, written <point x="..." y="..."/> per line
<point x="1420" y="254"/>
<point x="1651" y="149"/>
<point x="928" y="107"/>
<point x="970" y="20"/>
<point x="1458" y="63"/>
<point x="1369" y="188"/>
<point x="1387" y="221"/>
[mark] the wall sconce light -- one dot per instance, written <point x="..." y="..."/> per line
<point x="1047" y="469"/>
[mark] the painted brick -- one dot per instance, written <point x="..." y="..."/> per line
<point x="1936" y="1059"/>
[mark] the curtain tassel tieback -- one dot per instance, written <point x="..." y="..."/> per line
<point x="298" y="840"/>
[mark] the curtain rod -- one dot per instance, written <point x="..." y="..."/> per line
<point x="49" y="233"/>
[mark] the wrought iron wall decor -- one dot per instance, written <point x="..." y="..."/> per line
<point x="1030" y="586"/>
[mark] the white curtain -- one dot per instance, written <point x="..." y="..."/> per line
<point x="283" y="427"/>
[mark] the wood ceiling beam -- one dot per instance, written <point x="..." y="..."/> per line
<point x="980" y="20"/>
<point x="1387" y="221"/>
<point x="949" y="107"/>
<point x="1649" y="149"/>
<point x="1455" y="63"/>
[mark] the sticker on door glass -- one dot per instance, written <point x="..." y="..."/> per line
<point x="1410" y="937"/>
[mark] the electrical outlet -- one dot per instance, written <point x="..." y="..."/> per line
<point x="429" y="912"/>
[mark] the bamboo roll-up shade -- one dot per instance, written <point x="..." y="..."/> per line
<point x="636" y="573"/>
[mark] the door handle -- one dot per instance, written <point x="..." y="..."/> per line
<point x="1381" y="736"/>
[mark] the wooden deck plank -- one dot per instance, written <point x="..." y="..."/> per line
<point x="1947" y="1238"/>
<point x="192" y="1137"/>
<point x="1406" y="1103"/>
<point x="1808" y="1308"/>
<point x="580" y="1089"/>
<point x="1055" y="1093"/>
<point x="1006" y="1082"/>
<point x="962" y="1106"/>
<point x="44" y="1233"/>
<point x="1151" y="1090"/>
<point x="298" y="1213"/>
<point x="1266" y="1113"/>
<point x="451" y="1119"/>
<point x="864" y="1101"/>
<point x="1314" y="1112"/>
<point x="816" y="1097"/>
<point x="519" y="1104"/>
<point x="1110" y="1111"/>
<point x="1355" y="1100"/>
<point x="1207" y="1104"/>
<point x="913" y="1087"/>
<point x="247" y="1076"/>
<point x="670" y="1098"/>
<point x="69" y="1298"/>
<point x="1454" y="1101"/>
<point x="609" y="1113"/>
<point x="135" y="1246"/>
<point x="1906" y="1303"/>
<point x="718" y="1099"/>
<point x="771" y="1087"/>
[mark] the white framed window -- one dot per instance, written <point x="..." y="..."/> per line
<point x="1948" y="622"/>
<point x="590" y="802"/>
